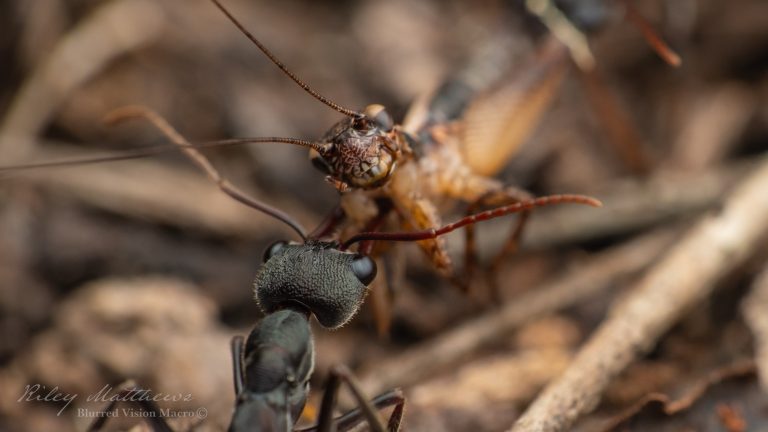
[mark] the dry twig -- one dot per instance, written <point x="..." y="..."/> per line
<point x="687" y="275"/>
<point x="756" y="315"/>
<point x="671" y="406"/>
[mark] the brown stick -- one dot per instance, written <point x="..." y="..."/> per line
<point x="756" y="315"/>
<point x="687" y="275"/>
<point x="577" y="285"/>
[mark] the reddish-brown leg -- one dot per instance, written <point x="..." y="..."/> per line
<point x="508" y="195"/>
<point x="380" y="300"/>
<point x="617" y="124"/>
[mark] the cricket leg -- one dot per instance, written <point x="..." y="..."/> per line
<point x="419" y="214"/>
<point x="494" y="198"/>
<point x="380" y="295"/>
<point x="619" y="127"/>
<point x="330" y="224"/>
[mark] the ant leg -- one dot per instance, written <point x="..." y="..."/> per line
<point x="237" y="347"/>
<point x="352" y="418"/>
<point x="155" y="420"/>
<point x="330" y="223"/>
<point x="507" y="195"/>
<point x="367" y="409"/>
<point x="394" y="397"/>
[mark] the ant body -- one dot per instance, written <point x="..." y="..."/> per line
<point x="271" y="372"/>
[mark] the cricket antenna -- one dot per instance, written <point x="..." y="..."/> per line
<point x="135" y="111"/>
<point x="278" y="63"/>
<point x="477" y="217"/>
<point x="142" y="152"/>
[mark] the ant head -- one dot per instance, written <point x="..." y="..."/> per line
<point x="328" y="282"/>
<point x="359" y="151"/>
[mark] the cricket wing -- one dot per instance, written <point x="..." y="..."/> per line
<point x="499" y="121"/>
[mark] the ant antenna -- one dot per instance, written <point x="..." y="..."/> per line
<point x="278" y="63"/>
<point x="477" y="217"/>
<point x="134" y="111"/>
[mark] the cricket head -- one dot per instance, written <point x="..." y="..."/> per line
<point x="359" y="152"/>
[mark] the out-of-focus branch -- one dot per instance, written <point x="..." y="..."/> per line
<point x="687" y="275"/>
<point x="114" y="29"/>
<point x="756" y="315"/>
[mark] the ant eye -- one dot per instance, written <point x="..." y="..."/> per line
<point x="379" y="115"/>
<point x="273" y="249"/>
<point x="364" y="269"/>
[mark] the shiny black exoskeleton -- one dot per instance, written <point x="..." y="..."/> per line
<point x="273" y="367"/>
<point x="272" y="372"/>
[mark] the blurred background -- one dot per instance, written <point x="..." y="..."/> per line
<point x="142" y="269"/>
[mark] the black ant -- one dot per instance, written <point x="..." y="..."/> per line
<point x="271" y="370"/>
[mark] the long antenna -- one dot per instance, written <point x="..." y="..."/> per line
<point x="134" y="111"/>
<point x="477" y="217"/>
<point x="652" y="36"/>
<point x="138" y="153"/>
<point x="278" y="63"/>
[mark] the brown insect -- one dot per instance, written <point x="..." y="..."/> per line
<point x="446" y="149"/>
<point x="369" y="158"/>
<point x="437" y="153"/>
<point x="451" y="144"/>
